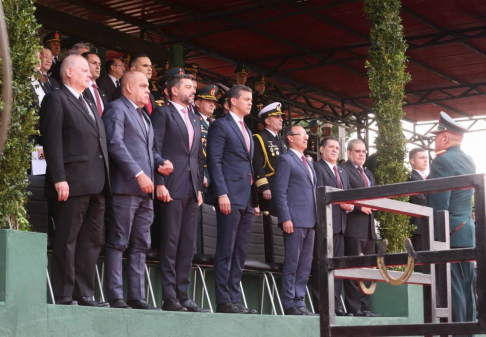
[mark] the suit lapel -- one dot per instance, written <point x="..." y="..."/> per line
<point x="302" y="165"/>
<point x="330" y="173"/>
<point x="181" y="124"/>
<point x="238" y="132"/>
<point x="80" y="107"/>
<point x="355" y="173"/>
<point x="136" y="115"/>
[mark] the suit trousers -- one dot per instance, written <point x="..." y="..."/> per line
<point x="77" y="244"/>
<point x="129" y="221"/>
<point x="233" y="239"/>
<point x="299" y="247"/>
<point x="338" y="251"/>
<point x="462" y="292"/>
<point x="354" y="299"/>
<point x="178" y="220"/>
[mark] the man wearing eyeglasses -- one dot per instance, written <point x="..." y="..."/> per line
<point x="115" y="69"/>
<point x="360" y="234"/>
<point x="295" y="199"/>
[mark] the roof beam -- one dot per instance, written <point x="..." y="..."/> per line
<point x="99" y="34"/>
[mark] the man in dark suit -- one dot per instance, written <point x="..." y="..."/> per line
<point x="360" y="234"/>
<point x="93" y="93"/>
<point x="46" y="82"/>
<point x="329" y="174"/>
<point x="268" y="146"/>
<point x="114" y="71"/>
<point x="232" y="191"/>
<point x="178" y="138"/>
<point x="142" y="63"/>
<point x="451" y="161"/>
<point x="295" y="200"/>
<point x="77" y="176"/>
<point x="132" y="168"/>
<point x="419" y="161"/>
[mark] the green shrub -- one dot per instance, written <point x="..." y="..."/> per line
<point x="387" y="80"/>
<point x="24" y="42"/>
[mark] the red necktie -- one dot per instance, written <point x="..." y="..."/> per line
<point x="190" y="129"/>
<point x="98" y="100"/>
<point x="307" y="166"/>
<point x="337" y="177"/>
<point x="245" y="135"/>
<point x="149" y="107"/>
<point x="363" y="176"/>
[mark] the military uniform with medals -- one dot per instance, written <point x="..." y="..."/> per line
<point x="267" y="148"/>
<point x="454" y="162"/>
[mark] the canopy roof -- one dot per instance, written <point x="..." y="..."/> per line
<point x="311" y="52"/>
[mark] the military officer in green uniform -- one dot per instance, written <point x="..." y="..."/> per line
<point x="162" y="83"/>
<point x="268" y="146"/>
<point x="313" y="142"/>
<point x="452" y="161"/>
<point x="241" y="74"/>
<point x="206" y="102"/>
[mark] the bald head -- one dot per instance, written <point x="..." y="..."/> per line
<point x="75" y="72"/>
<point x="135" y="87"/>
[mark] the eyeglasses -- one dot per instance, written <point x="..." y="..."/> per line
<point x="360" y="151"/>
<point x="297" y="134"/>
<point x="119" y="65"/>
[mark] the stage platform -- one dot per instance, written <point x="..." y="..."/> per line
<point x="24" y="311"/>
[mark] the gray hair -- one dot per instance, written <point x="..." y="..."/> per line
<point x="72" y="61"/>
<point x="354" y="141"/>
<point x="75" y="49"/>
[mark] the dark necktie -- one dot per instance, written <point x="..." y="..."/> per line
<point x="117" y="83"/>
<point x="83" y="102"/>
<point x="140" y="112"/>
<point x="337" y="177"/>
<point x="98" y="99"/>
<point x="363" y="176"/>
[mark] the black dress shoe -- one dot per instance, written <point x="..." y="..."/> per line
<point x="87" y="301"/>
<point x="65" y="300"/>
<point x="248" y="311"/>
<point x="193" y="307"/>
<point x="172" y="304"/>
<point x="340" y="313"/>
<point x="371" y="314"/>
<point x="140" y="304"/>
<point x="360" y="313"/>
<point x="230" y="308"/>
<point x="293" y="311"/>
<point x="118" y="303"/>
<point x="307" y="312"/>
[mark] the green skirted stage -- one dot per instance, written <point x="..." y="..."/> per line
<point x="24" y="311"/>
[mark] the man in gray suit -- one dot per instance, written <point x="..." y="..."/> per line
<point x="129" y="136"/>
<point x="295" y="200"/>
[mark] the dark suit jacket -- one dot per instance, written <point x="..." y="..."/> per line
<point x="230" y="164"/>
<point x="129" y="146"/>
<point x="172" y="143"/>
<point x="87" y="94"/>
<point x="55" y="71"/>
<point x="325" y="177"/>
<point x="294" y="191"/>
<point x="359" y="224"/>
<point x="50" y="85"/>
<point x="107" y="85"/>
<point x="74" y="145"/>
<point x="419" y="199"/>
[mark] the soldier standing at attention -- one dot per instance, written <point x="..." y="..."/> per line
<point x="259" y="101"/>
<point x="450" y="161"/>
